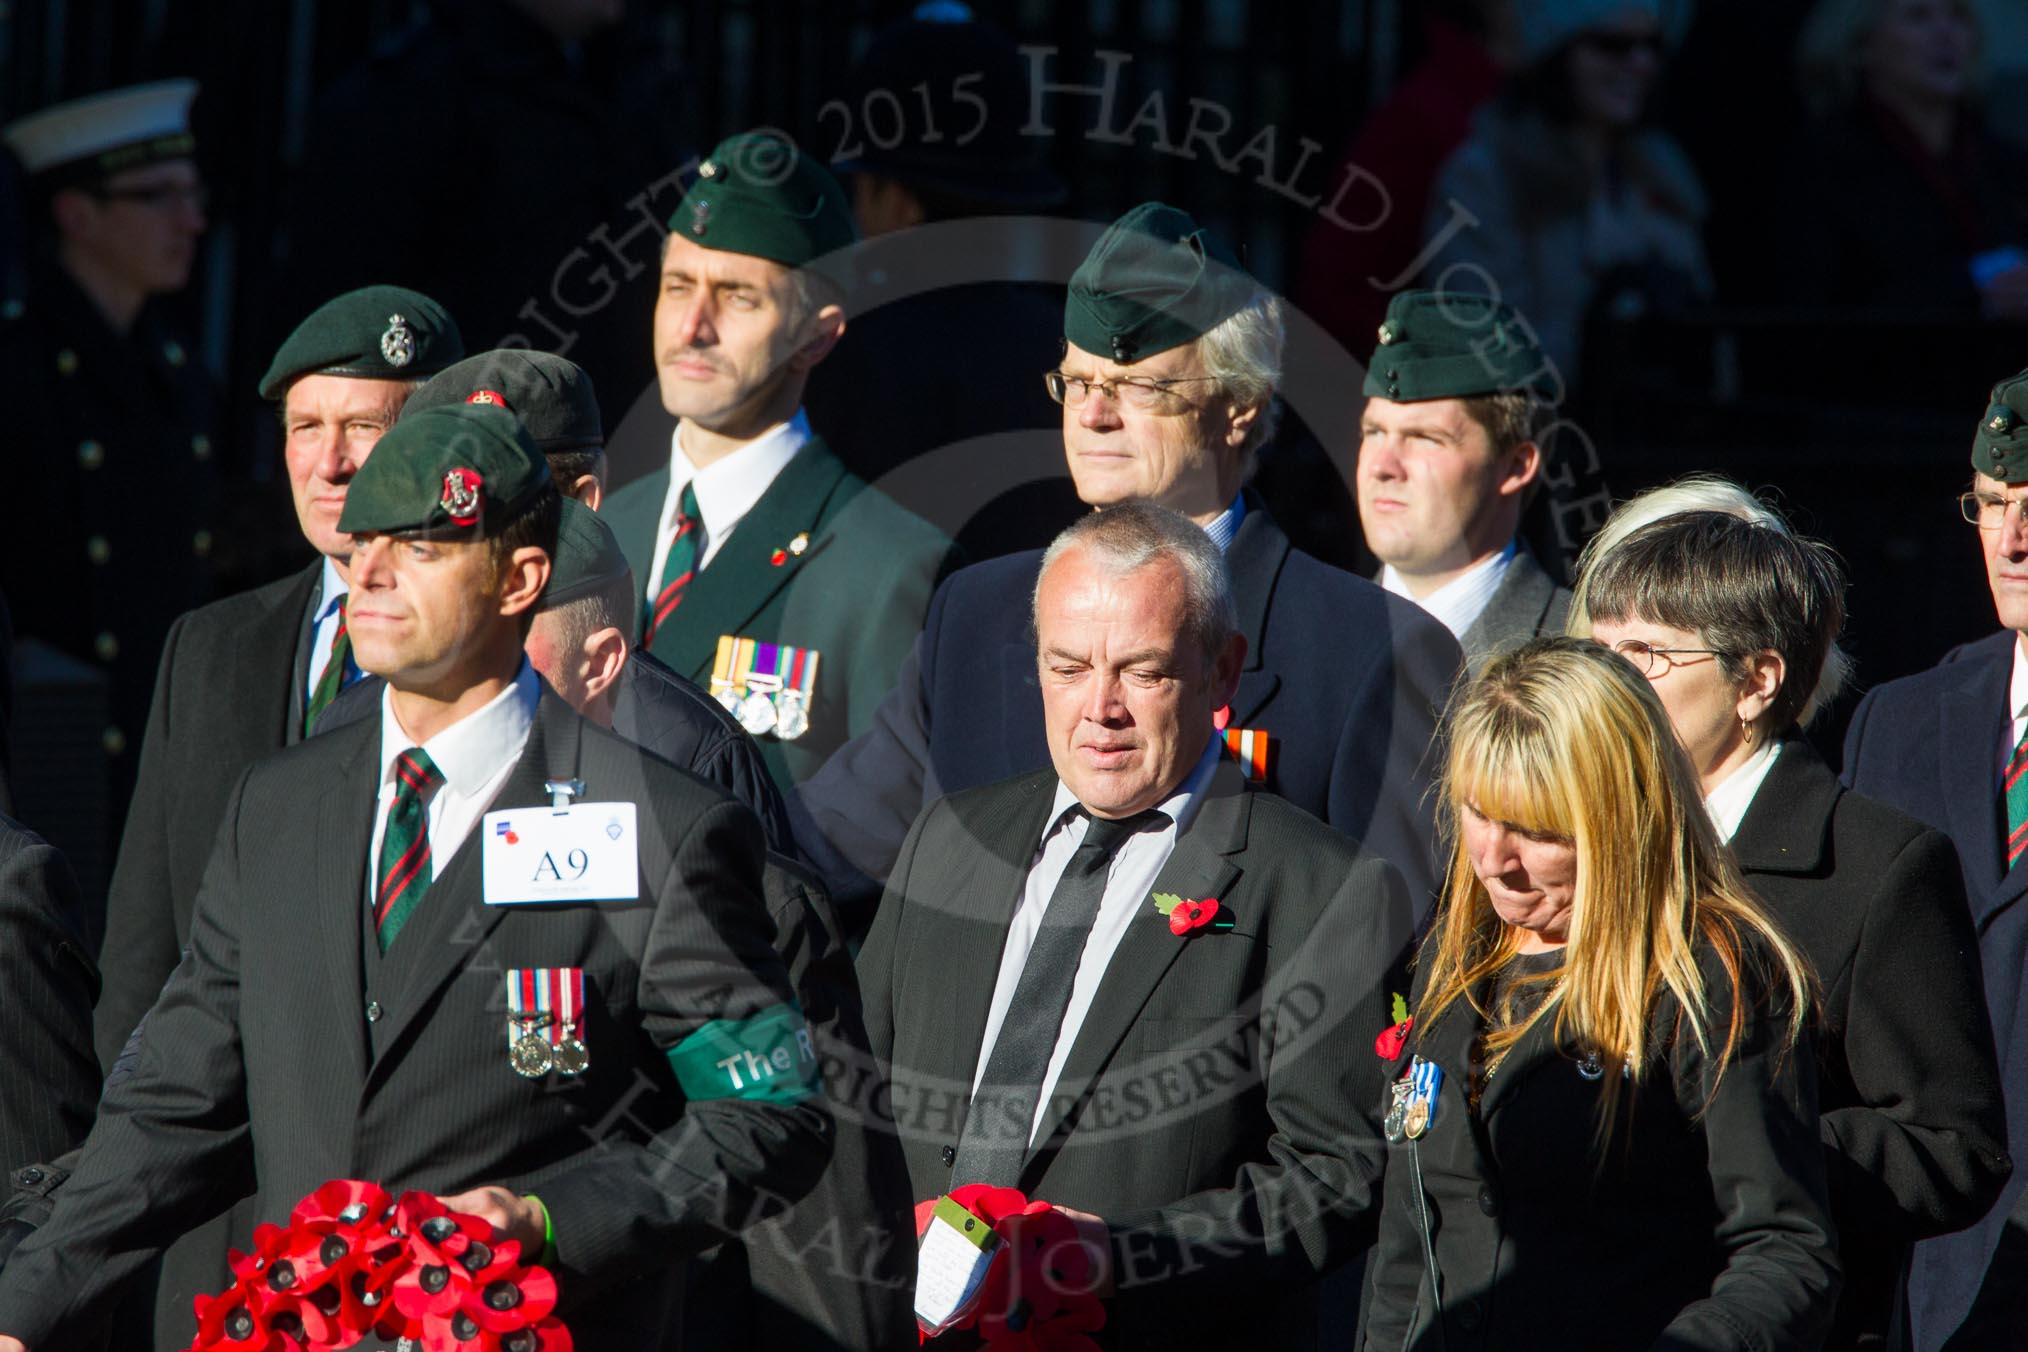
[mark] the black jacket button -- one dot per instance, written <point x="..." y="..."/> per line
<point x="1486" y="1202"/>
<point x="373" y="1011"/>
<point x="950" y="1156"/>
<point x="30" y="1176"/>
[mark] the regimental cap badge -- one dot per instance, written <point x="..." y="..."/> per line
<point x="397" y="345"/>
<point x="1387" y="334"/>
<point x="489" y="397"/>
<point x="708" y="169"/>
<point x="1999" y="419"/>
<point x="461" y="496"/>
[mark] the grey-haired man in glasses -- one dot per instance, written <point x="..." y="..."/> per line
<point x="1172" y="357"/>
<point x="1949" y="746"/>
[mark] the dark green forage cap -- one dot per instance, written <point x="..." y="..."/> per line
<point x="461" y="468"/>
<point x="1155" y="280"/>
<point x="1453" y="345"/>
<point x="374" y="333"/>
<point x="2000" y="447"/>
<point x="551" y="395"/>
<point x="588" y="556"/>
<point x="757" y="193"/>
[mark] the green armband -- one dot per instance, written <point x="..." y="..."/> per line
<point x="548" y="1232"/>
<point x="765" y="1057"/>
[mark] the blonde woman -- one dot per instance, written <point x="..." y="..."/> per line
<point x="1605" y="1131"/>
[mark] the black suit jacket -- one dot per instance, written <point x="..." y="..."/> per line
<point x="47" y="985"/>
<point x="271" y="1057"/>
<point x="1931" y="745"/>
<point x="1347" y="681"/>
<point x="228" y="693"/>
<point x="658" y="711"/>
<point x="1913" y="1129"/>
<point x="1704" y="1230"/>
<point x="1216" y="1106"/>
<point x="1527" y="603"/>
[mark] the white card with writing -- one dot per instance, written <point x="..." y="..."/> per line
<point x="951" y="1264"/>
<point x="584" y="852"/>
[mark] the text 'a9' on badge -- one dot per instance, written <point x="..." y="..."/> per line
<point x="545" y="855"/>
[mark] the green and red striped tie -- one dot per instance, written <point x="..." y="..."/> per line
<point x="333" y="679"/>
<point x="685" y="549"/>
<point x="405" y="872"/>
<point x="2017" y="803"/>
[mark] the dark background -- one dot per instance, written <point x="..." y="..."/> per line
<point x="1858" y="426"/>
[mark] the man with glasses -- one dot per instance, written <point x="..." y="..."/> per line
<point x="113" y="493"/>
<point x="1950" y="747"/>
<point x="1172" y="356"/>
<point x="772" y="576"/>
<point x="1448" y="458"/>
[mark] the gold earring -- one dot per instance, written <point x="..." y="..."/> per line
<point x="1746" y="730"/>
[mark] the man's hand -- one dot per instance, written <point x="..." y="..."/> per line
<point x="519" y="1218"/>
<point x="1097" y="1239"/>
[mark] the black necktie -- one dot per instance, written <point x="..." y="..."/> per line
<point x="994" y="1143"/>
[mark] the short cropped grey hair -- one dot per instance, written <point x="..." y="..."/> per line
<point x="613" y="606"/>
<point x="1132" y="535"/>
<point x="1243" y="353"/>
<point x="1695" y="493"/>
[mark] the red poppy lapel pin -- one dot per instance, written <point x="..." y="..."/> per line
<point x="1393" y="1039"/>
<point x="1186" y="916"/>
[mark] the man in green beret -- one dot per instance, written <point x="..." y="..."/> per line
<point x="1449" y="455"/>
<point x="1949" y="746"/>
<point x="772" y="575"/>
<point x="245" y="676"/>
<point x="113" y="494"/>
<point x="553" y="398"/>
<point x="415" y="961"/>
<point x="1172" y="357"/>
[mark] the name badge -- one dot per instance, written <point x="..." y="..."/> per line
<point x="584" y="852"/>
<point x="951" y="1264"/>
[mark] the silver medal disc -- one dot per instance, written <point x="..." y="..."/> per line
<point x="530" y="1055"/>
<point x="728" y="696"/>
<point x="756" y="713"/>
<point x="792" y="715"/>
<point x="571" y="1056"/>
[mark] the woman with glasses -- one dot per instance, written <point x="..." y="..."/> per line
<point x="1565" y="195"/>
<point x="1604" y="1133"/>
<point x="1730" y="620"/>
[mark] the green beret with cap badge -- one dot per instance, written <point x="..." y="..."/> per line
<point x="2000" y="446"/>
<point x="588" y="556"/>
<point x="466" y="468"/>
<point x="1155" y="280"/>
<point x="758" y="193"/>
<point x="551" y="395"/>
<point x="374" y="333"/>
<point x="1453" y="345"/>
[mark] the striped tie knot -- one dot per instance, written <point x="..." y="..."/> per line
<point x="686" y="550"/>
<point x="337" y="664"/>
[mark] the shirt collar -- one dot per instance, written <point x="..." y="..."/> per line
<point x="475" y="748"/>
<point x="1458" y="603"/>
<point x="1180" y="807"/>
<point x="1222" y="529"/>
<point x="1728" y="803"/>
<point x="2017" y="691"/>
<point x="728" y="488"/>
<point x="334" y="586"/>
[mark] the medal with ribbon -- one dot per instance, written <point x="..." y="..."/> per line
<point x="570" y="1053"/>
<point x="766" y="686"/>
<point x="545" y="1010"/>
<point x="1424" y="1079"/>
<point x="1249" y="746"/>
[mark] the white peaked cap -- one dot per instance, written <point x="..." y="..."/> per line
<point x="97" y="124"/>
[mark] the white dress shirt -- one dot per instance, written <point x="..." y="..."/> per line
<point x="1728" y="803"/>
<point x="475" y="755"/>
<point x="335" y="588"/>
<point x="726" y="489"/>
<point x="1129" y="877"/>
<point x="1458" y="604"/>
<point x="2017" y="707"/>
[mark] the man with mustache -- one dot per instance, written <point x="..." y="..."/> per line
<point x="771" y="575"/>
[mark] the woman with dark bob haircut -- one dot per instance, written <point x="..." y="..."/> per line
<point x="1730" y="621"/>
<point x="1604" y="1133"/>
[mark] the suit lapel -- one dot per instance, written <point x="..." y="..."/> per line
<point x="296" y="617"/>
<point x="1536" y="1049"/>
<point x="1788" y="824"/>
<point x="636" y="518"/>
<point x="1973" y="722"/>
<point x="1200" y="866"/>
<point x="343" y="825"/>
<point x="742" y="577"/>
<point x="1002" y="843"/>
<point x="1517" y="608"/>
<point x="1255" y="561"/>
<point x="453" y="921"/>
